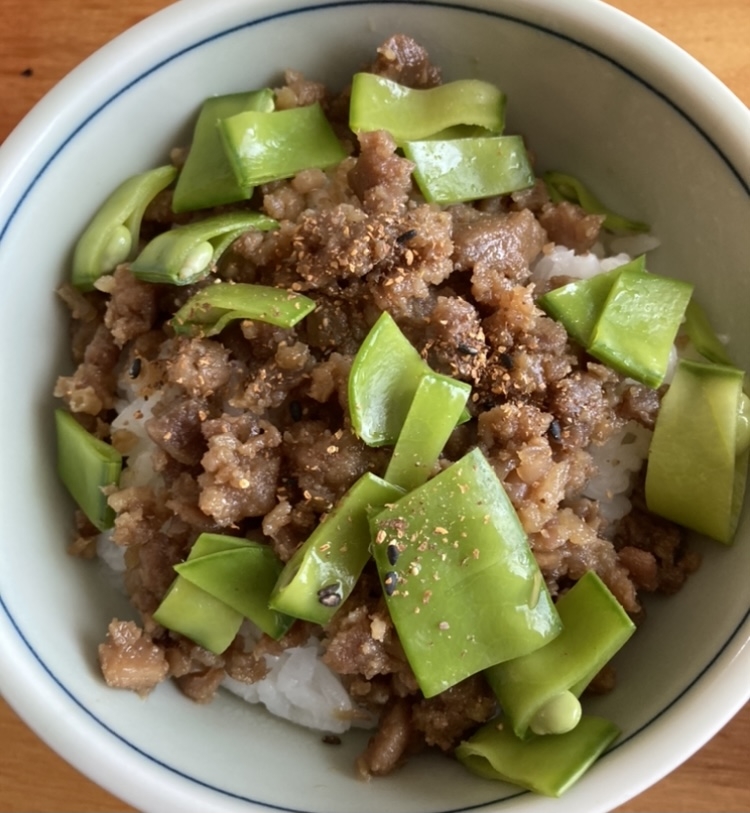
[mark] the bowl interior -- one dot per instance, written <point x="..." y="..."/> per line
<point x="588" y="105"/>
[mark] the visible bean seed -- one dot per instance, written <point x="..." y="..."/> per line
<point x="560" y="714"/>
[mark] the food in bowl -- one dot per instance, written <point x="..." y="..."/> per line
<point x="351" y="352"/>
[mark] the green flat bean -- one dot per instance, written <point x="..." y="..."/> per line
<point x="264" y="147"/>
<point x="565" y="187"/>
<point x="594" y="628"/>
<point x="112" y="235"/>
<point x="209" y="311"/>
<point x="322" y="572"/>
<point x="207" y="178"/>
<point x="462" y="586"/>
<point x="433" y="414"/>
<point x="186" y="254"/>
<point x="410" y="114"/>
<point x="465" y="169"/>
<point x="241" y="573"/>
<point x="87" y="466"/>
<point x="544" y="764"/>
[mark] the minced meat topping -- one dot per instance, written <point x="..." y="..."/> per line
<point x="248" y="432"/>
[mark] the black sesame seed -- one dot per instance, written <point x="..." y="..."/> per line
<point x="392" y="552"/>
<point x="554" y="431"/>
<point x="27" y="72"/>
<point x="295" y="411"/>
<point x="506" y="360"/>
<point x="389" y="582"/>
<point x="406" y="236"/>
<point x="467" y="350"/>
<point x="330" y="595"/>
<point x="135" y="368"/>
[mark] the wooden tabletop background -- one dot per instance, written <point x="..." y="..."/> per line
<point x="40" y="41"/>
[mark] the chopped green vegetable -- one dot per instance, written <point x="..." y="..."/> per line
<point x="264" y="147"/>
<point x="578" y="305"/>
<point x="594" y="628"/>
<point x="565" y="187"/>
<point x="469" y="168"/>
<point x="87" y="466"/>
<point x="703" y="336"/>
<point x="384" y="376"/>
<point x="638" y="324"/>
<point x="209" y="311"/>
<point x="198" y="615"/>
<point x="410" y="114"/>
<point x="207" y="178"/>
<point x="322" y="572"/>
<point x="186" y="254"/>
<point x="627" y="318"/>
<point x="697" y="465"/>
<point x="112" y="235"/>
<point x="434" y="412"/>
<point x="545" y="764"/>
<point x="462" y="586"/>
<point x="239" y="572"/>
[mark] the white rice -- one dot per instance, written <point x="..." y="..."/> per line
<point x="617" y="461"/>
<point x="132" y="419"/>
<point x="300" y="688"/>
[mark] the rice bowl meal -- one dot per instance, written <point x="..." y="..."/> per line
<point x="360" y="416"/>
<point x="502" y="662"/>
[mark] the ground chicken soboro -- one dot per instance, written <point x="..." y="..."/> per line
<point x="250" y="429"/>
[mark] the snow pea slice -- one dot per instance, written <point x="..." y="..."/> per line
<point x="242" y="576"/>
<point x="207" y="178"/>
<point x="434" y="411"/>
<point x="186" y="254"/>
<point x="264" y="147"/>
<point x="566" y="187"/>
<point x="638" y="324"/>
<point x="697" y="465"/>
<point x="464" y="169"/>
<point x="702" y="335"/>
<point x="462" y="586"/>
<point x="410" y="114"/>
<point x="547" y="764"/>
<point x="112" y="235"/>
<point x="199" y="616"/>
<point x="594" y="628"/>
<point x="578" y="305"/>
<point x="87" y="466"/>
<point x="209" y="311"/>
<point x="384" y="376"/>
<point x="321" y="574"/>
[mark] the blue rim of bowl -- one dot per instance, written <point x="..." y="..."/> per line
<point x="745" y="184"/>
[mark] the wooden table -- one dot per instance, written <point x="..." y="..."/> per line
<point x="40" y="41"/>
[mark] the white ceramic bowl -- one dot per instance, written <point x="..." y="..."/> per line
<point x="597" y="94"/>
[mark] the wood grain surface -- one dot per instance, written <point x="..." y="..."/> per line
<point x="40" y="41"/>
